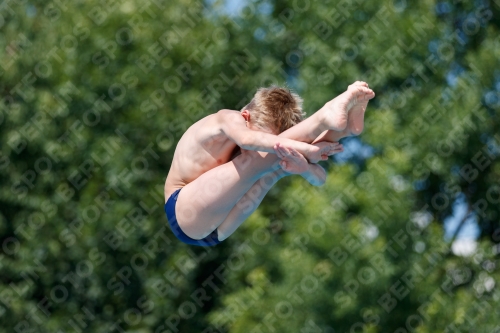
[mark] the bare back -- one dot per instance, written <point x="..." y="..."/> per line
<point x="202" y="147"/>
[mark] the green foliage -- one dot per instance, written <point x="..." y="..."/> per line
<point x="95" y="95"/>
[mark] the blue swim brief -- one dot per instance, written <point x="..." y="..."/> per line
<point x="210" y="240"/>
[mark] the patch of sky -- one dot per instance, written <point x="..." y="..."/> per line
<point x="458" y="35"/>
<point x="492" y="146"/>
<point x="213" y="9"/>
<point x="217" y="8"/>
<point x="462" y="36"/>
<point x="481" y="3"/>
<point x="420" y="185"/>
<point x="293" y="81"/>
<point x="496" y="73"/>
<point x="399" y="5"/>
<point x="30" y="10"/>
<point x="259" y="34"/>
<point x="469" y="230"/>
<point x="433" y="45"/>
<point x="492" y="99"/>
<point x="235" y="8"/>
<point x="464" y="247"/>
<point x="443" y="8"/>
<point x="455" y="170"/>
<point x="265" y="8"/>
<point x="454" y="73"/>
<point x="354" y="149"/>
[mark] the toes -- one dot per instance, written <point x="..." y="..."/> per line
<point x="354" y="88"/>
<point x="359" y="83"/>
<point x="359" y="90"/>
<point x="368" y="93"/>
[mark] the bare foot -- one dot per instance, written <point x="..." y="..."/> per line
<point x="346" y="111"/>
<point x="356" y="120"/>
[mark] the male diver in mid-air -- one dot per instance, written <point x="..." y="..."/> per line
<point x="225" y="163"/>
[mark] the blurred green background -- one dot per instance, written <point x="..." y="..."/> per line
<point x="403" y="237"/>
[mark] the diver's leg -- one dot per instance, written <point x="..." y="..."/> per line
<point x="248" y="203"/>
<point x="204" y="204"/>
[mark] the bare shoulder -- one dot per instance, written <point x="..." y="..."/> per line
<point x="229" y="119"/>
<point x="217" y="125"/>
<point x="232" y="125"/>
<point x="231" y="115"/>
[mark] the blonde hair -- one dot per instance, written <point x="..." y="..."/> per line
<point x="275" y="108"/>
